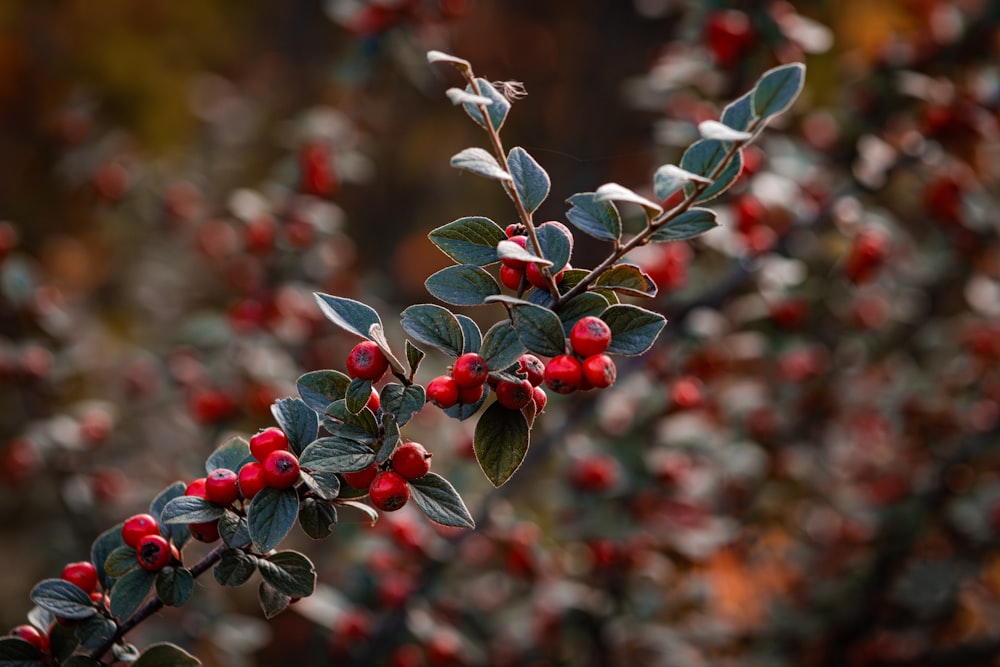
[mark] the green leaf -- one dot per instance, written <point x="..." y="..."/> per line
<point x="459" y="96"/>
<point x="414" y="355"/>
<point x="580" y="306"/>
<point x="231" y="456"/>
<point x="272" y="601"/>
<point x="496" y="112"/>
<point x="350" y="315"/>
<point x="670" y="178"/>
<point x="557" y="244"/>
<point x="336" y="455"/>
<point x="434" y="325"/>
<point x="628" y="279"/>
<point x="317" y="518"/>
<point x="501" y="346"/>
<point x="359" y="392"/>
<point x="689" y="224"/>
<point x="539" y="329"/>
<point x="615" y="192"/>
<point x="473" y="337"/>
<point x="738" y="114"/>
<point x="178" y="533"/>
<point x="233" y="529"/>
<point x="595" y="217"/>
<point x="124" y="652"/>
<point x="297" y="420"/>
<point x="370" y="512"/>
<point x="235" y="567"/>
<point x="289" y="572"/>
<point x="63" y="599"/>
<point x="321" y="388"/>
<point x="777" y="89"/>
<point x="470" y="240"/>
<point x="633" y="329"/>
<point x="511" y="250"/>
<point x="361" y="427"/>
<point x="500" y="442"/>
<point x="530" y="180"/>
<point x="174" y="585"/>
<point x="120" y="562"/>
<point x="438" y="499"/>
<point x="15" y="652"/>
<point x="462" y="411"/>
<point x="190" y="509"/>
<point x="442" y="57"/>
<point x="166" y="655"/>
<point x="703" y="157"/>
<point x="105" y="543"/>
<point x="713" y="129"/>
<point x="130" y="591"/>
<point x="390" y="439"/>
<point x="462" y="285"/>
<point x="62" y="641"/>
<point x="271" y="515"/>
<point x="326" y="485"/>
<point x="480" y="162"/>
<point x="94" y="631"/>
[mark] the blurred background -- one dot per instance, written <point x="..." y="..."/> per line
<point x="803" y="471"/>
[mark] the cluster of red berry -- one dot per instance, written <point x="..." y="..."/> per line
<point x="83" y="575"/>
<point x="587" y="367"/>
<point x="386" y="484"/>
<point x="152" y="550"/>
<point x="513" y="272"/>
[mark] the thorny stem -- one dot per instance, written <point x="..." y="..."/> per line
<point x="501" y="155"/>
<point x="653" y="224"/>
<point x="156" y="604"/>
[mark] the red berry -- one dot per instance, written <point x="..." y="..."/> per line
<point x="471" y="395"/>
<point x="687" y="392"/>
<point x="599" y="371"/>
<point x="442" y="391"/>
<point x="563" y="374"/>
<point x="197" y="488"/>
<point x="269" y="440"/>
<point x="514" y="395"/>
<point x="596" y="472"/>
<point x="470" y="370"/>
<point x="316" y="167"/>
<point x="361" y="479"/>
<point x="281" y="469"/>
<point x="411" y="460"/>
<point x="251" y="479"/>
<point x="866" y="256"/>
<point x="32" y="635"/>
<point x="511" y="277"/>
<point x="522" y="241"/>
<point x="540" y="398"/>
<point x="207" y="531"/>
<point x="389" y="491"/>
<point x="374" y="402"/>
<point x="366" y="361"/>
<point x="83" y="574"/>
<point x="589" y="336"/>
<point x="534" y="275"/>
<point x="153" y="552"/>
<point x="137" y="527"/>
<point x="533" y="366"/>
<point x="222" y="487"/>
<point x="514" y="229"/>
<point x="728" y="35"/>
<point x="749" y="213"/>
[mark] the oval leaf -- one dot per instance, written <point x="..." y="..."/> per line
<point x="120" y="562"/>
<point x="738" y="114"/>
<point x="102" y="547"/>
<point x="497" y="112"/>
<point x="289" y="572"/>
<point x="190" y="509"/>
<point x="297" y="420"/>
<point x="326" y="485"/>
<point x="361" y="427"/>
<point x="317" y="518"/>
<point x="777" y="89"/>
<point x="459" y="96"/>
<point x="615" y="192"/>
<point x="166" y="655"/>
<point x="704" y="157"/>
<point x="93" y="632"/>
<point x="471" y="240"/>
<point x="414" y="355"/>
<point x="501" y="346"/>
<point x="235" y="567"/>
<point x="471" y="333"/>
<point x="689" y="224"/>
<point x="539" y="329"/>
<point x="350" y="315"/>
<point x="321" y="388"/>
<point x="500" y="442"/>
<point x="434" y="325"/>
<point x="511" y="250"/>
<point x="233" y="529"/>
<point x="582" y="305"/>
<point x="530" y="180"/>
<point x="557" y="244"/>
<point x="480" y="162"/>
<point x="174" y="585"/>
<point x="633" y="329"/>
<point x="598" y="218"/>
<point x="669" y="178"/>
<point x="130" y="591"/>
<point x="713" y="129"/>
<point x="63" y="599"/>
<point x="271" y="515"/>
<point x="438" y="499"/>
<point x="403" y="402"/>
<point x="359" y="392"/>
<point x="272" y="601"/>
<point x="462" y="285"/>
<point x="627" y="278"/>
<point x="442" y="57"/>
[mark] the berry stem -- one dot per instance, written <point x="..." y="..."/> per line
<point x="653" y="224"/>
<point x="155" y="604"/>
